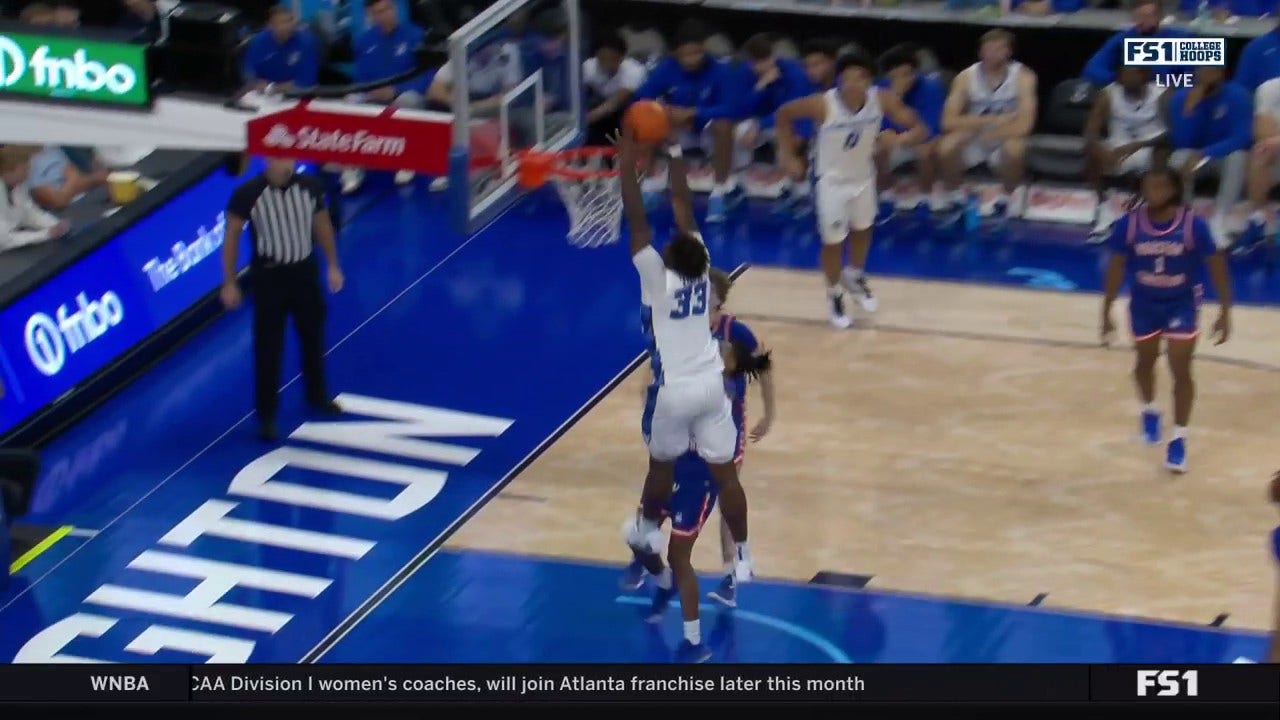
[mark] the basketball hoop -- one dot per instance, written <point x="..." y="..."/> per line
<point x="587" y="182"/>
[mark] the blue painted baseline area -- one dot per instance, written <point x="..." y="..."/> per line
<point x="459" y="360"/>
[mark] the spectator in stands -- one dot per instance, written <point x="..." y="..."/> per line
<point x="776" y="81"/>
<point x="142" y="19"/>
<point x="38" y="14"/>
<point x="820" y="62"/>
<point x="66" y="14"/>
<point x="21" y="221"/>
<point x="1211" y="122"/>
<point x="56" y="182"/>
<point x="1262" y="164"/>
<point x="1259" y="61"/>
<point x="1101" y="68"/>
<point x="1125" y="134"/>
<point x="282" y="57"/>
<point x="545" y="47"/>
<point x="610" y="78"/>
<point x="386" y="50"/>
<point x="699" y="91"/>
<point x="492" y="69"/>
<point x="989" y="113"/>
<point x="925" y="94"/>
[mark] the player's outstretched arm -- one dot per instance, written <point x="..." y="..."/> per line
<point x="632" y="199"/>
<point x="812" y="107"/>
<point x="681" y="196"/>
<point x="913" y="130"/>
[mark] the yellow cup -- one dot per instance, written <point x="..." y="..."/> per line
<point x="123" y="186"/>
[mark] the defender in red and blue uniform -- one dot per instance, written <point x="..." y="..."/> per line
<point x="1166" y="247"/>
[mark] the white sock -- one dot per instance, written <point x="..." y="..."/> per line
<point x="1179" y="432"/>
<point x="725" y="187"/>
<point x="1258" y="217"/>
<point x="728" y="568"/>
<point x="835" y="291"/>
<point x="887" y="196"/>
<point x="743" y="552"/>
<point x="800" y="189"/>
<point x="854" y="273"/>
<point x="1150" y="408"/>
<point x="664" y="579"/>
<point x="958" y="195"/>
<point x="693" y="632"/>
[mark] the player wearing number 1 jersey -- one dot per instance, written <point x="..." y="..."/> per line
<point x="848" y="118"/>
<point x="686" y="401"/>
<point x="1166" y="246"/>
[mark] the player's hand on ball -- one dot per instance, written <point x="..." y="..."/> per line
<point x="1222" y="328"/>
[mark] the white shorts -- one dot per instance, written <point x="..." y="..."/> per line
<point x="982" y="151"/>
<point x="1138" y="162"/>
<point x="844" y="207"/>
<point x="688" y="411"/>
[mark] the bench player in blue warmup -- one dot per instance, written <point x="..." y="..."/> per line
<point x="1166" y="246"/>
<point x="692" y="500"/>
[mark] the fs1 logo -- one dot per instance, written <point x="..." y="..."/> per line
<point x="1175" y="51"/>
<point x="1170" y="683"/>
<point x="49" y="339"/>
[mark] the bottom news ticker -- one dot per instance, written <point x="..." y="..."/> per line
<point x="1020" y="684"/>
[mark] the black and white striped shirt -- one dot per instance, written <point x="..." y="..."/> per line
<point x="282" y="216"/>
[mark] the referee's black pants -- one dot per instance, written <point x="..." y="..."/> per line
<point x="281" y="291"/>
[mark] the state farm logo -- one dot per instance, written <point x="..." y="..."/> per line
<point x="360" y="142"/>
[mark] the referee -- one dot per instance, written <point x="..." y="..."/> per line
<point x="288" y="214"/>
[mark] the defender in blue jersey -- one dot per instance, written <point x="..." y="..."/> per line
<point x="1166" y="247"/>
<point x="692" y="499"/>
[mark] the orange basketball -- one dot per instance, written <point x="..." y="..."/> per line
<point x="648" y="122"/>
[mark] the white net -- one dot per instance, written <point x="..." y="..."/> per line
<point x="592" y="197"/>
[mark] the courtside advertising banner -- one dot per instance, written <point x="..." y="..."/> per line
<point x="97" y="309"/>
<point x="73" y="69"/>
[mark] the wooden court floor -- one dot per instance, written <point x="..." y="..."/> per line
<point x="973" y="442"/>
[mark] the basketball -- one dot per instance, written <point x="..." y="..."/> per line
<point x="648" y="122"/>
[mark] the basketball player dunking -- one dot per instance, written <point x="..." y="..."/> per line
<point x="748" y="361"/>
<point x="849" y="118"/>
<point x="1165" y="245"/>
<point x="687" y="399"/>
<point x="692" y="500"/>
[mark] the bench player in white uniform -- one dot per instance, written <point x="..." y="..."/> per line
<point x="1131" y="112"/>
<point x="848" y="119"/>
<point x="1263" y="168"/>
<point x="989" y="114"/>
<point x="687" y="399"/>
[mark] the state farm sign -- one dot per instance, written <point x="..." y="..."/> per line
<point x="391" y="140"/>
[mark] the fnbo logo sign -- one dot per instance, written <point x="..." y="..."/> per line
<point x="73" y="69"/>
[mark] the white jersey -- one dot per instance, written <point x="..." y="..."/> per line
<point x="1266" y="100"/>
<point x="986" y="99"/>
<point x="678" y="321"/>
<point x="1134" y="120"/>
<point x="845" y="148"/>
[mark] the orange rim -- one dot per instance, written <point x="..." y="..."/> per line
<point x="536" y="166"/>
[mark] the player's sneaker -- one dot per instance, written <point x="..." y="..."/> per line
<point x="632" y="577"/>
<point x="687" y="652"/>
<point x="1175" y="457"/>
<point x="661" y="599"/>
<point x="726" y="593"/>
<point x="1255" y="231"/>
<point x="856" y="283"/>
<point x="839" y="316"/>
<point x="1150" y="427"/>
<point x="717" y="208"/>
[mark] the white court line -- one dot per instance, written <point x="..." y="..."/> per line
<point x="247" y="415"/>
<point x="82" y="532"/>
